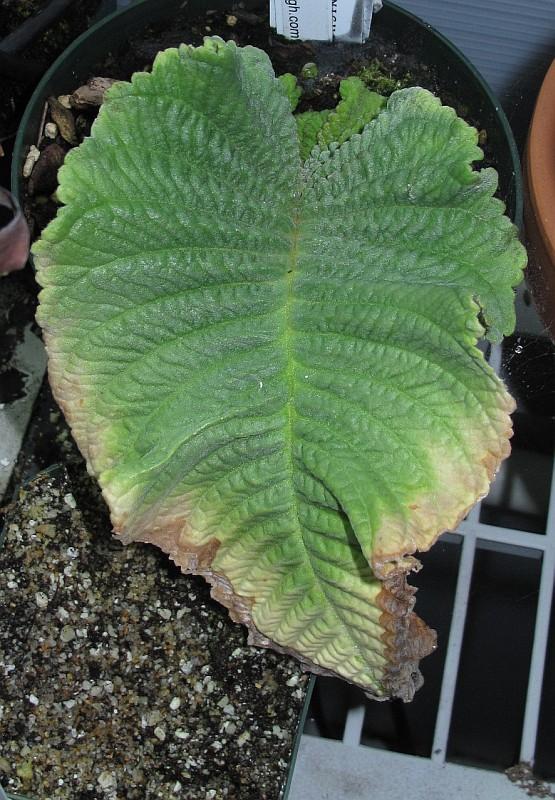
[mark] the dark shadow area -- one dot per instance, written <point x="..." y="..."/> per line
<point x="493" y="674"/>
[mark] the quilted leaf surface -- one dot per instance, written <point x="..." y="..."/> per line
<point x="271" y="367"/>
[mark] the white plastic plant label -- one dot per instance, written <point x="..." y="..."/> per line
<point x="323" y="20"/>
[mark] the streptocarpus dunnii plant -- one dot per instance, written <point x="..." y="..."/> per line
<point x="270" y="364"/>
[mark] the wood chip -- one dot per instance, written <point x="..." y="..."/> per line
<point x="44" y="178"/>
<point x="64" y="120"/>
<point x="92" y="94"/>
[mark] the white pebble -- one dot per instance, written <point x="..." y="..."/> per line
<point x="165" y="613"/>
<point x="180" y="734"/>
<point x="293" y="681"/>
<point x="50" y="130"/>
<point x="160" y="733"/>
<point x="31" y="160"/>
<point x="33" y="699"/>
<point x="67" y="634"/>
<point x="72" y="552"/>
<point x="107" y="779"/>
<point x="175" y="703"/>
<point x="69" y="500"/>
<point x="41" y="599"/>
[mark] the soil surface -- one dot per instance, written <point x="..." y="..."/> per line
<point x="121" y="678"/>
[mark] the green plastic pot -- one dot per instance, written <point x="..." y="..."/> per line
<point x="411" y="34"/>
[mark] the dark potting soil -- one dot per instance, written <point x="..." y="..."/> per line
<point x="384" y="63"/>
<point x="121" y="678"/>
<point x="14" y="92"/>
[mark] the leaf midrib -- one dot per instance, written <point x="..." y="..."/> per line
<point x="291" y="413"/>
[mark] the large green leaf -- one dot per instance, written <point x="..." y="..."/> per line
<point x="272" y="369"/>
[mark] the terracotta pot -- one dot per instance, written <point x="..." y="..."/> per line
<point x="539" y="208"/>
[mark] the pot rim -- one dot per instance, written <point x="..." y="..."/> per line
<point x="539" y="161"/>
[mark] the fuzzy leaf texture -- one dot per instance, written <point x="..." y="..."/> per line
<point x="271" y="367"/>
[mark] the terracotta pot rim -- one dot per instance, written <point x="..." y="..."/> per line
<point x="540" y="163"/>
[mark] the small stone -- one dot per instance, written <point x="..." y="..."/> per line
<point x="69" y="500"/>
<point x="32" y="158"/>
<point x="152" y="718"/>
<point x="293" y="680"/>
<point x="175" y="703"/>
<point x="67" y="634"/>
<point x="50" y="130"/>
<point x="33" y="699"/>
<point x="63" y="99"/>
<point x="231" y="20"/>
<point x="106" y="780"/>
<point x="244" y="737"/>
<point x="165" y="613"/>
<point x="160" y="733"/>
<point x="25" y="771"/>
<point x="229" y="710"/>
<point x="181" y="734"/>
<point x="41" y="599"/>
<point x="177" y="787"/>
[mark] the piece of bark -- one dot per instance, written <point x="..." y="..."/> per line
<point x="64" y="120"/>
<point x="44" y="178"/>
<point x="91" y="94"/>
